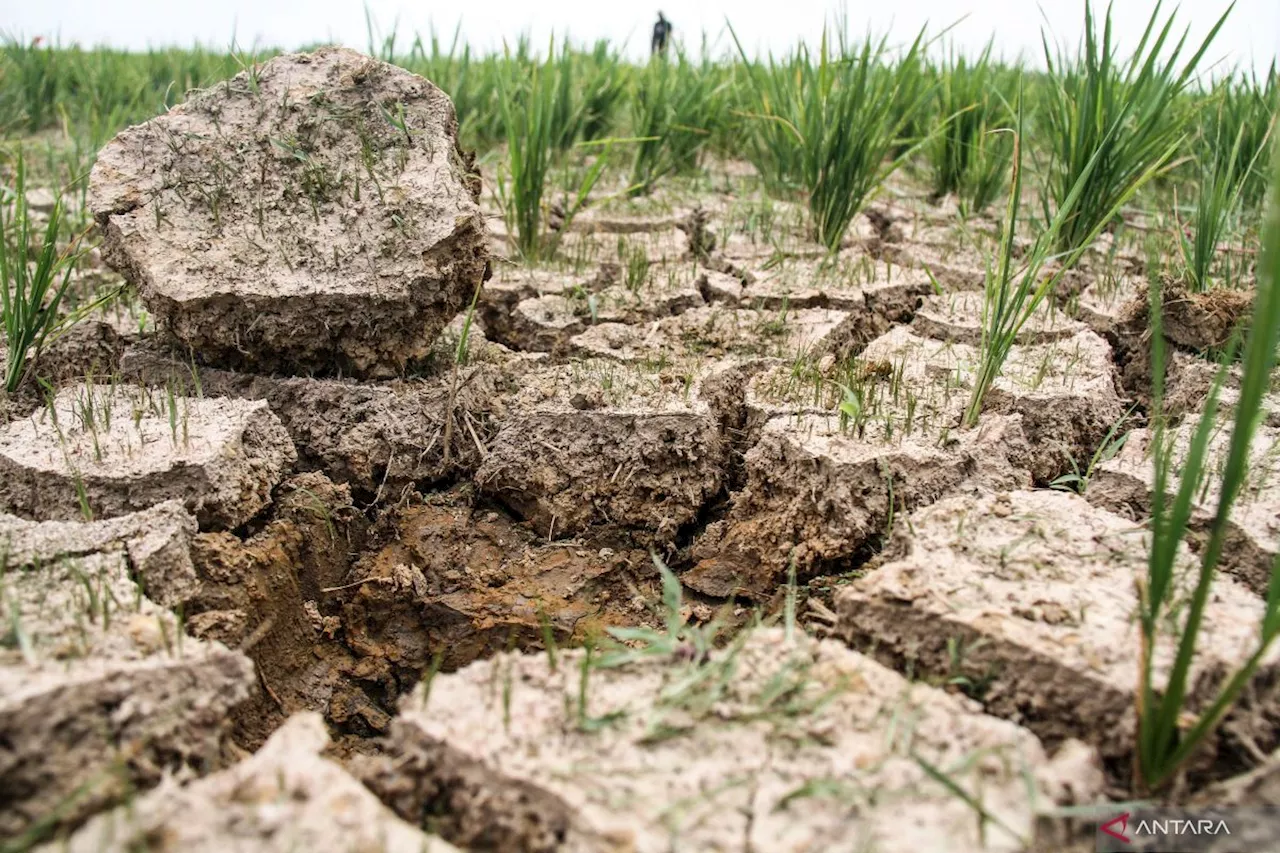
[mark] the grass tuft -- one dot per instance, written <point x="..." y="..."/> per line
<point x="30" y="293"/>
<point x="830" y="128"/>
<point x="1165" y="743"/>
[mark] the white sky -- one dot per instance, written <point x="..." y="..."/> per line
<point x="1250" y="39"/>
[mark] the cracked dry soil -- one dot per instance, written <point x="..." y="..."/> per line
<point x="378" y="606"/>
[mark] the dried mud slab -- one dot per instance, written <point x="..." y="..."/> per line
<point x="885" y="399"/>
<point x="285" y="798"/>
<point x="445" y="583"/>
<point x="769" y="744"/>
<point x="1126" y="483"/>
<point x="111" y="450"/>
<point x="958" y="317"/>
<point x="1030" y="598"/>
<point x="875" y="295"/>
<point x="834" y="450"/>
<point x="648" y="291"/>
<point x="512" y="284"/>
<point x="758" y="229"/>
<point x="956" y="266"/>
<point x="842" y="283"/>
<point x="379" y="437"/>
<point x="717" y="332"/>
<point x="719" y="287"/>
<point x="312" y="215"/>
<point x="154" y="543"/>
<point x="599" y="443"/>
<point x="544" y="323"/>
<point x="1063" y="394"/>
<point x="100" y="692"/>
<point x="272" y="594"/>
<point x="1104" y="304"/>
<point x="88" y="348"/>
<point x="548" y="320"/>
<point x="816" y="495"/>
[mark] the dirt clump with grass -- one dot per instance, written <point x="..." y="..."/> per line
<point x="314" y="214"/>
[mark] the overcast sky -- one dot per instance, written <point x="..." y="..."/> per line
<point x="1250" y="39"/>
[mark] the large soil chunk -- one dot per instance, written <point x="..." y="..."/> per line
<point x="109" y="450"/>
<point x="100" y="692"/>
<point x="1062" y="393"/>
<point x="817" y="494"/>
<point x="715" y="331"/>
<point x="1126" y="483"/>
<point x="768" y="744"/>
<point x="1203" y="321"/>
<point x="1029" y="598"/>
<point x="313" y="214"/>
<point x="378" y="437"/>
<point x="286" y="798"/>
<point x="156" y="543"/>
<point x="601" y="443"/>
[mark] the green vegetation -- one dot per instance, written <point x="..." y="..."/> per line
<point x="1217" y="205"/>
<point x="1114" y="120"/>
<point x="1165" y="741"/>
<point x="830" y="128"/>
<point x="30" y="293"/>
<point x="674" y="105"/>
<point x="1015" y="289"/>
<point x="542" y="117"/>
<point x="969" y="155"/>
<point x="1229" y="150"/>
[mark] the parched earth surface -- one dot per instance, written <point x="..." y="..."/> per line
<point x="662" y="548"/>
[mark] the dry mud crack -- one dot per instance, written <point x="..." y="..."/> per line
<point x="307" y="567"/>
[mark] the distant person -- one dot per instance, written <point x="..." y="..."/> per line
<point x="661" y="31"/>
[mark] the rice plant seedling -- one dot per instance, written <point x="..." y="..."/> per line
<point x="674" y="104"/>
<point x="1109" y="122"/>
<point x="968" y="155"/>
<point x="1112" y="443"/>
<point x="677" y="640"/>
<point x="1012" y="294"/>
<point x="1165" y="741"/>
<point x="829" y="128"/>
<point x="30" y="294"/>
<point x="1244" y="106"/>
<point x="33" y="66"/>
<point x="603" y="91"/>
<point x="531" y="111"/>
<point x="1217" y="207"/>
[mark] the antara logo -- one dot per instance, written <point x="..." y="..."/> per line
<point x="1175" y="826"/>
<point x="1109" y="828"/>
<point x="1118" y="827"/>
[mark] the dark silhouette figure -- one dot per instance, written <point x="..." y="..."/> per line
<point x="661" y="31"/>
